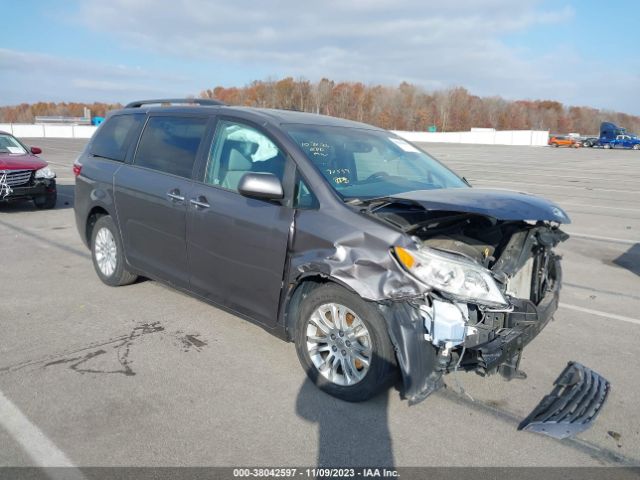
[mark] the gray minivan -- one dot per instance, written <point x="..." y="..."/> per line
<point x="376" y="260"/>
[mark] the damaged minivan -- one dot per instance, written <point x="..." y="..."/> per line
<point x="376" y="260"/>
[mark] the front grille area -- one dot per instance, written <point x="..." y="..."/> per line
<point x="577" y="397"/>
<point x="16" y="178"/>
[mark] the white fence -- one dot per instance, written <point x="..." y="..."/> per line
<point x="24" y="130"/>
<point x="481" y="136"/>
<point x="478" y="136"/>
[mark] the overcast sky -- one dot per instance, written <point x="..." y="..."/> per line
<point x="578" y="52"/>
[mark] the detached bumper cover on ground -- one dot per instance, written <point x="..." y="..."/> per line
<point x="572" y="406"/>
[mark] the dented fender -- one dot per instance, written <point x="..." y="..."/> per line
<point x="356" y="257"/>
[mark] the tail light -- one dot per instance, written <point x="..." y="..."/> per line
<point x="77" y="168"/>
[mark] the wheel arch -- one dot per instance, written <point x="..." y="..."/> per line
<point x="92" y="217"/>
<point x="304" y="285"/>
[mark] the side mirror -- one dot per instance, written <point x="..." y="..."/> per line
<point x="36" y="150"/>
<point x="265" y="186"/>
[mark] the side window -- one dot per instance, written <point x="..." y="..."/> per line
<point x="170" y="144"/>
<point x="238" y="149"/>
<point x="115" y="135"/>
<point x="303" y="197"/>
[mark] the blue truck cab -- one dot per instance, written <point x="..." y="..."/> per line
<point x="612" y="136"/>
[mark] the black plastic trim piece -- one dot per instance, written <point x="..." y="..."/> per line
<point x="572" y="406"/>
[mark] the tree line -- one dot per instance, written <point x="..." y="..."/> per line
<point x="409" y="107"/>
<point x="405" y="107"/>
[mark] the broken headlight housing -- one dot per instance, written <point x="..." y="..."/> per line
<point x="452" y="274"/>
<point x="45" y="172"/>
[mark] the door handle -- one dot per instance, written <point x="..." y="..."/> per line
<point x="200" y="202"/>
<point x="174" y="195"/>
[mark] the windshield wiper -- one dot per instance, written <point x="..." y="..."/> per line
<point x="364" y="201"/>
<point x="376" y="203"/>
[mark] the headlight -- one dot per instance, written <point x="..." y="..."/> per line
<point x="45" y="172"/>
<point x="452" y="274"/>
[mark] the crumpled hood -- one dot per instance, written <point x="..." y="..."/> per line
<point x="499" y="204"/>
<point x="21" y="162"/>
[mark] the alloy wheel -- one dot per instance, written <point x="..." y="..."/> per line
<point x="339" y="344"/>
<point x="106" y="251"/>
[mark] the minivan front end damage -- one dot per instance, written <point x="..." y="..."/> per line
<point x="464" y="278"/>
<point x="491" y="286"/>
<point x="434" y="336"/>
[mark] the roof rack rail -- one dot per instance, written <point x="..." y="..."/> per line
<point x="198" y="101"/>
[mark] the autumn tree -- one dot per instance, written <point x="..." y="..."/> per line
<point x="405" y="107"/>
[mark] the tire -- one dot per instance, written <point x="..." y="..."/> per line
<point x="607" y="146"/>
<point x="363" y="382"/>
<point x="105" y="241"/>
<point x="46" y="202"/>
<point x="636" y="146"/>
<point x="555" y="145"/>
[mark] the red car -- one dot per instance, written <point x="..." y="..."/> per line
<point x="23" y="175"/>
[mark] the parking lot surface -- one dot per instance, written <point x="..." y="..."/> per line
<point x="145" y="376"/>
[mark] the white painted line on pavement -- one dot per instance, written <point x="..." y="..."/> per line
<point x="547" y="185"/>
<point x="60" y="164"/>
<point x="604" y="239"/>
<point x="598" y="313"/>
<point x="600" y="206"/>
<point x="34" y="442"/>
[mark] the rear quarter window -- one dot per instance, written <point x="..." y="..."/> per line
<point x="170" y="144"/>
<point x="113" y="138"/>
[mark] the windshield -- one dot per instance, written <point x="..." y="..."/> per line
<point x="360" y="163"/>
<point x="8" y="144"/>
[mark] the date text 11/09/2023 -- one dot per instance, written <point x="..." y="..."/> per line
<point x="315" y="472"/>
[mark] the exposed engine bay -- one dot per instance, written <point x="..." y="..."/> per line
<point x="518" y="255"/>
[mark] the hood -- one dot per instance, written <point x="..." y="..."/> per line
<point x="499" y="204"/>
<point x="25" y="161"/>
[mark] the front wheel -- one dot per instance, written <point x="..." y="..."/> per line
<point x="636" y="146"/>
<point x="343" y="344"/>
<point x="108" y="255"/>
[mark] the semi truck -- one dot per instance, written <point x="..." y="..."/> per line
<point x="612" y="136"/>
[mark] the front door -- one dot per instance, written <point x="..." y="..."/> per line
<point x="236" y="245"/>
<point x="151" y="197"/>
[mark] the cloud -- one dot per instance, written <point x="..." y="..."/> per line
<point x="435" y="44"/>
<point x="29" y="76"/>
<point x="19" y="61"/>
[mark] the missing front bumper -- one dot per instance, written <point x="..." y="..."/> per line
<point x="572" y="406"/>
<point x="25" y="192"/>
<point x="423" y="365"/>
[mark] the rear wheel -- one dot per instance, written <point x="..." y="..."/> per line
<point x="607" y="146"/>
<point x="343" y="344"/>
<point x="636" y="146"/>
<point x="46" y="202"/>
<point x="108" y="255"/>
